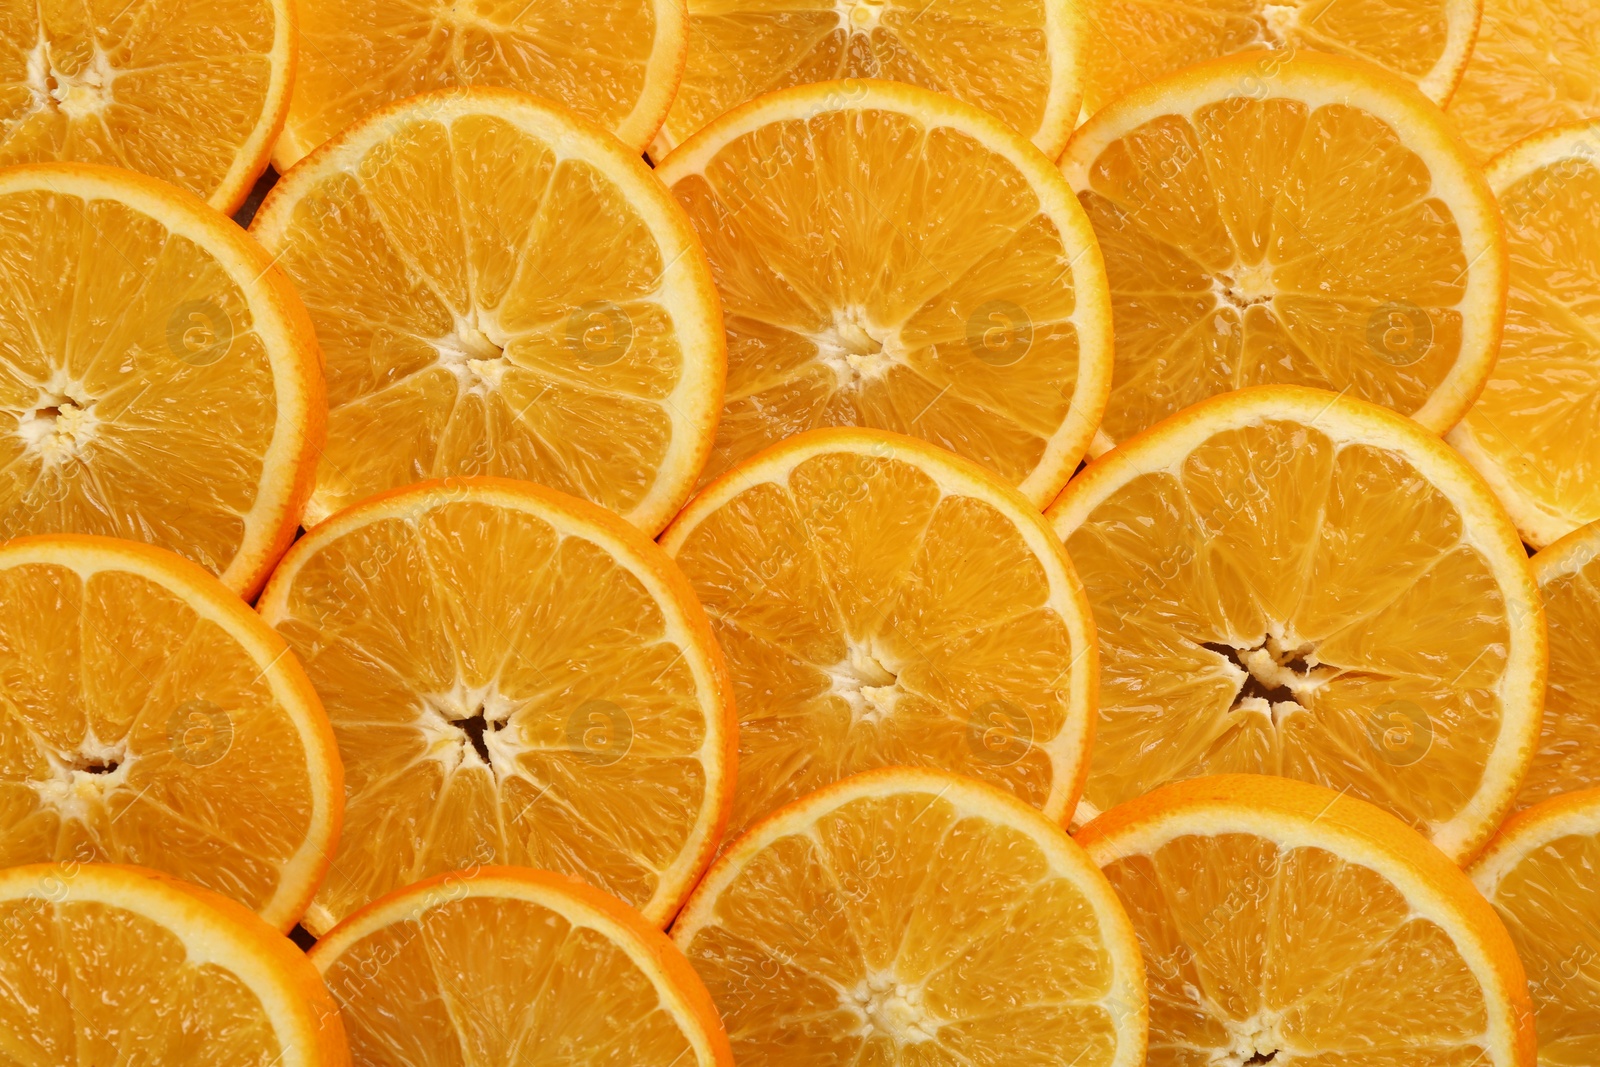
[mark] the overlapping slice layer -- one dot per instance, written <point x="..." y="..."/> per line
<point x="423" y="978"/>
<point x="905" y="916"/>
<point x="1538" y="875"/>
<point x="1019" y="61"/>
<point x="110" y="964"/>
<point x="1298" y="219"/>
<point x="883" y="603"/>
<point x="1282" y="922"/>
<point x="1533" y="67"/>
<point x="1426" y="42"/>
<point x="501" y="289"/>
<point x="192" y="93"/>
<point x="160" y="379"/>
<point x="1569" y="741"/>
<point x="890" y="257"/>
<point x="614" y="62"/>
<point x="1289" y="582"/>
<point x="1534" y="433"/>
<point x="513" y="676"/>
<point x="147" y="716"/>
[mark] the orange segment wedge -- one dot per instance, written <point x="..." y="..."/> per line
<point x="1020" y="61"/>
<point x="192" y="93"/>
<point x="147" y="716"/>
<point x="423" y="978"/>
<point x="1290" y="218"/>
<point x="1534" y="66"/>
<point x="1532" y="433"/>
<point x="893" y="258"/>
<point x="514" y="677"/>
<point x="614" y="62"/>
<point x="1290" y="582"/>
<point x="501" y="289"/>
<point x="1569" y="743"/>
<point x="1285" y="923"/>
<point x="883" y="603"/>
<point x="1426" y="42"/>
<point x="111" y="964"/>
<point x="1538" y="874"/>
<point x="915" y="917"/>
<point x="159" y="379"/>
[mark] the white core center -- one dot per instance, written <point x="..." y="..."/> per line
<point x="891" y="1008"/>
<point x="865" y="683"/>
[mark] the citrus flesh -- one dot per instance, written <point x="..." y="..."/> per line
<point x="1536" y="873"/>
<point x="1533" y="67"/>
<point x="1283" y="922"/>
<point x="1297" y="219"/>
<point x="1289" y="582"/>
<point x="112" y="964"/>
<point x="162" y="376"/>
<point x="1569" y="582"/>
<point x="501" y="289"/>
<point x="1425" y="42"/>
<point x="150" y="717"/>
<point x="513" y="677"/>
<point x="905" y="916"/>
<point x="615" y="63"/>
<point x="1532" y="433"/>
<point x="422" y="978"/>
<point x="1020" y="62"/>
<point x="893" y="258"/>
<point x="193" y="94"/>
<point x="883" y="603"/>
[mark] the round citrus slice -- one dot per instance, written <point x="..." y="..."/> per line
<point x="1531" y="433"/>
<point x="423" y="979"/>
<point x="1285" y="923"/>
<point x="1534" y="66"/>
<point x="1568" y="758"/>
<point x="513" y="676"/>
<point x="894" y="258"/>
<point x="110" y="964"/>
<point x="1290" y="218"/>
<point x="148" y="716"/>
<point x="500" y="288"/>
<point x="1425" y="42"/>
<point x="908" y="916"/>
<point x="159" y="378"/>
<point x="1020" y="62"/>
<point x="614" y="62"/>
<point x="1539" y="875"/>
<point x="882" y="602"/>
<point x="191" y="93"/>
<point x="1290" y="582"/>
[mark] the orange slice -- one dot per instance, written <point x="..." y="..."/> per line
<point x="614" y="62"/>
<point x="1531" y="433"/>
<point x="513" y="676"/>
<point x="1296" y="219"/>
<point x="108" y="964"/>
<point x="1539" y="875"/>
<point x="1568" y="758"/>
<point x="192" y="93"/>
<point x="500" y="288"/>
<point x="1020" y="62"/>
<point x="1534" y="67"/>
<point x="894" y="258"/>
<point x="915" y="917"/>
<point x="423" y="978"/>
<point x="1425" y="42"/>
<point x="159" y="378"/>
<point x="148" y="716"/>
<point x="882" y="602"/>
<point x="1285" y="923"/>
<point x="1289" y="582"/>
